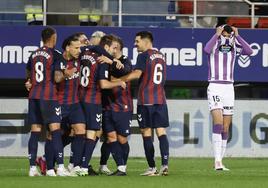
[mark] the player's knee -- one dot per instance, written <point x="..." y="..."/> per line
<point x="160" y="131"/>
<point x="99" y="133"/>
<point x="54" y="126"/>
<point x="91" y="134"/>
<point x="36" y="128"/>
<point x="122" y="139"/>
<point x="146" y="132"/>
<point x="111" y="136"/>
<point x="79" y="128"/>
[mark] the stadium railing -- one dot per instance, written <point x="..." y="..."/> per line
<point x="144" y="13"/>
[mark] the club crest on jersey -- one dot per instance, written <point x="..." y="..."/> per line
<point x="62" y="66"/>
<point x="225" y="48"/>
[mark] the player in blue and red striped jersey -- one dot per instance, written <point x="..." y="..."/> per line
<point x="43" y="105"/>
<point x="72" y="113"/>
<point x="118" y="108"/>
<point x="93" y="79"/>
<point x="152" y="110"/>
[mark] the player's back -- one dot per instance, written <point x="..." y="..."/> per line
<point x="89" y="91"/>
<point x="41" y="65"/>
<point x="152" y="81"/>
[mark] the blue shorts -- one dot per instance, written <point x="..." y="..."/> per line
<point x="152" y="116"/>
<point x="44" y="112"/>
<point x="93" y="115"/>
<point x="71" y="114"/>
<point x="117" y="121"/>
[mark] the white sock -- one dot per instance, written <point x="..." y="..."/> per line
<point x="103" y="166"/>
<point x="223" y="148"/>
<point x="61" y="166"/>
<point x="217" y="146"/>
<point x="122" y="168"/>
<point x="33" y="167"/>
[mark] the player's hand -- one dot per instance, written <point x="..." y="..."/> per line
<point x="104" y="59"/>
<point x="123" y="84"/>
<point x="235" y="30"/>
<point x="119" y="65"/>
<point x="28" y="85"/>
<point x="219" y="30"/>
<point x="69" y="72"/>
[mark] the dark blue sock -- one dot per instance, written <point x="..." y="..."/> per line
<point x="78" y="148"/>
<point x="66" y="140"/>
<point x="88" y="151"/>
<point x="49" y="154"/>
<point x="33" y="146"/>
<point x="164" y="149"/>
<point x="57" y="146"/>
<point x="149" y="150"/>
<point x="71" y="153"/>
<point x="125" y="149"/>
<point x="117" y="153"/>
<point x="97" y="139"/>
<point x="105" y="153"/>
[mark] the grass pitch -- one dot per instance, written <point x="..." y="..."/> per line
<point x="183" y="173"/>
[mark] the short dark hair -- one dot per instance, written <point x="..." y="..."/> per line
<point x="68" y="41"/>
<point x="47" y="33"/>
<point x="107" y="40"/>
<point x="78" y="34"/>
<point x="145" y="34"/>
<point x="228" y="29"/>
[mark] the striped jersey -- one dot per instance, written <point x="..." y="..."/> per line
<point x="222" y="54"/>
<point x="89" y="90"/>
<point x="41" y="65"/>
<point x="68" y="88"/>
<point x="119" y="99"/>
<point x="151" y="83"/>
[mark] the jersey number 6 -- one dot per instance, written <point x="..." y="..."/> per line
<point x="158" y="75"/>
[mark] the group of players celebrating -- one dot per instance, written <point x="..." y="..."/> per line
<point x="84" y="92"/>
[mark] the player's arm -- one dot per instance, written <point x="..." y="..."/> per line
<point x="114" y="62"/>
<point x="99" y="50"/>
<point x="124" y="70"/>
<point x="134" y="75"/>
<point x="138" y="70"/>
<point x="59" y="75"/>
<point x="106" y="84"/>
<point x="28" y="83"/>
<point x="209" y="46"/>
<point x="246" y="49"/>
<point x="103" y="77"/>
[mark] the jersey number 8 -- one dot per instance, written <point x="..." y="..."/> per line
<point x="39" y="75"/>
<point x="85" y="72"/>
<point x="158" y="75"/>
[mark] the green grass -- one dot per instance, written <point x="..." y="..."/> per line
<point x="191" y="172"/>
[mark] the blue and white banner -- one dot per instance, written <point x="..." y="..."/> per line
<point x="189" y="132"/>
<point x="183" y="49"/>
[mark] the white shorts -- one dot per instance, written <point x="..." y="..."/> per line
<point x="221" y="96"/>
